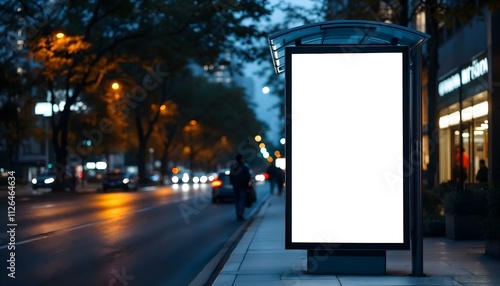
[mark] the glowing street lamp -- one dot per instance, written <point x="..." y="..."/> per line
<point x="45" y="109"/>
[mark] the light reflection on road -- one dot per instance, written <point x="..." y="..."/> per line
<point x="57" y="215"/>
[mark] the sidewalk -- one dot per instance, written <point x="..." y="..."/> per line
<point x="261" y="259"/>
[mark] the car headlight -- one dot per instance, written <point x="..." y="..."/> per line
<point x="185" y="178"/>
<point x="203" y="179"/>
<point x="126" y="181"/>
<point x="260" y="178"/>
<point x="196" y="180"/>
<point x="175" y="179"/>
<point x="34" y="181"/>
<point x="49" y="181"/>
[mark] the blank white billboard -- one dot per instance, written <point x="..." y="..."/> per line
<point x="345" y="147"/>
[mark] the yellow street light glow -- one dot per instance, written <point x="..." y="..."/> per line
<point x="193" y="122"/>
<point x="163" y="107"/>
<point x="115" y="86"/>
<point x="262" y="145"/>
<point x="258" y="138"/>
<point x="60" y="35"/>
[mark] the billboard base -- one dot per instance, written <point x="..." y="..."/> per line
<point x="346" y="262"/>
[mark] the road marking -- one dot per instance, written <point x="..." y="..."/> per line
<point x="46" y="235"/>
<point x="43" y="236"/>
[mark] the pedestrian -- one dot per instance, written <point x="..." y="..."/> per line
<point x="240" y="178"/>
<point x="280" y="180"/>
<point x="271" y="176"/>
<point x="482" y="173"/>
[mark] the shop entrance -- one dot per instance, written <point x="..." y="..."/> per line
<point x="461" y="160"/>
<point x="474" y="137"/>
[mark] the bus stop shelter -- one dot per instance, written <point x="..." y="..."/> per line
<point x="351" y="36"/>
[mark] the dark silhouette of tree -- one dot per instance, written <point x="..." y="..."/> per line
<point x="214" y="121"/>
<point x="77" y="45"/>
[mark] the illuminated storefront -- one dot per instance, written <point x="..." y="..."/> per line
<point x="463" y="120"/>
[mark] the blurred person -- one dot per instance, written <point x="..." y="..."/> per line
<point x="271" y="172"/>
<point x="482" y="173"/>
<point x="461" y="165"/>
<point x="280" y="180"/>
<point x="240" y="178"/>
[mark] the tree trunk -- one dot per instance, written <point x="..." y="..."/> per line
<point x="60" y="143"/>
<point x="141" y="158"/>
<point x="432" y="86"/>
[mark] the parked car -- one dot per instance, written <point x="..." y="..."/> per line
<point x="222" y="188"/>
<point x="120" y="180"/>
<point x="46" y="180"/>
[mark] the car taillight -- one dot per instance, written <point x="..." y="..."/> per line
<point x="216" y="183"/>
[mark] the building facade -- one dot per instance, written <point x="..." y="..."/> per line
<point x="469" y="100"/>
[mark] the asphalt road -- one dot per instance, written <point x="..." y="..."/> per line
<point x="156" y="236"/>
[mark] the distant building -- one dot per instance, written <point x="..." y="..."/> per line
<point x="225" y="72"/>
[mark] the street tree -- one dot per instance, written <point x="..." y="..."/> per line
<point x="182" y="34"/>
<point x="16" y="95"/>
<point x="216" y="121"/>
<point x="71" y="45"/>
<point x="75" y="46"/>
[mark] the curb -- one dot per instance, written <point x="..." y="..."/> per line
<point x="210" y="272"/>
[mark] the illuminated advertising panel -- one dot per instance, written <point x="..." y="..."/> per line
<point x="347" y="144"/>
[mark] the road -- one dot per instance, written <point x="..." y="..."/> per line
<point x="156" y="236"/>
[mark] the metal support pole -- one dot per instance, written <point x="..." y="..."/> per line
<point x="416" y="162"/>
<point x="460" y="154"/>
<point x="46" y="126"/>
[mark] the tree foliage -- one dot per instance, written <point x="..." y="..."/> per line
<point x="77" y="48"/>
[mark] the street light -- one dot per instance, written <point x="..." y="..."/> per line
<point x="45" y="109"/>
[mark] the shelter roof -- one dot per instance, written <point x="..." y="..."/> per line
<point x="342" y="32"/>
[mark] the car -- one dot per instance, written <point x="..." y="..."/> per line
<point x="211" y="176"/>
<point x="222" y="187"/>
<point x="154" y="178"/>
<point x="181" y="178"/>
<point x="199" y="178"/>
<point x="47" y="179"/>
<point x="120" y="180"/>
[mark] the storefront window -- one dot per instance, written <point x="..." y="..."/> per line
<point x="470" y="134"/>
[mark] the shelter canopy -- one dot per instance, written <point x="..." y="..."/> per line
<point x="342" y="32"/>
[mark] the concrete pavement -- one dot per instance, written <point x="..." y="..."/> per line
<point x="261" y="259"/>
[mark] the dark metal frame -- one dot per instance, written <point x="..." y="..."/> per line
<point x="406" y="141"/>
